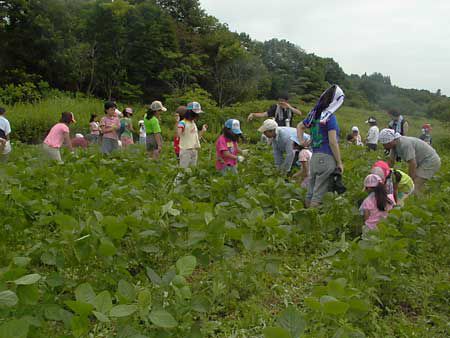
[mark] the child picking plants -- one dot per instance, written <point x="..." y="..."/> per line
<point x="227" y="148"/>
<point x="377" y="205"/>
<point x="110" y="125"/>
<point x="189" y="135"/>
<point x="58" y="135"/>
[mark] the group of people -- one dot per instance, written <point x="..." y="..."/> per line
<point x="317" y="154"/>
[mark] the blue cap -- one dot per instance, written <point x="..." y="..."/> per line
<point x="234" y="125"/>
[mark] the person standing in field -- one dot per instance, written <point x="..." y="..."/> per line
<point x="372" y="135"/>
<point x="179" y="115"/>
<point x="423" y="161"/>
<point x="110" y="125"/>
<point x="153" y="129"/>
<point x="227" y="149"/>
<point x="189" y="135"/>
<point x="326" y="158"/>
<point x="94" y="128"/>
<point x="426" y="133"/>
<point x="142" y="132"/>
<point x="282" y="112"/>
<point x="58" y="135"/>
<point x="5" y="131"/>
<point x="126" y="128"/>
<point x="398" y="123"/>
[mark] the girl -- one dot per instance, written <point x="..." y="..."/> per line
<point x="356" y="136"/>
<point x="403" y="186"/>
<point x="58" y="135"/>
<point x="304" y="157"/>
<point x="142" y="132"/>
<point x="94" y="128"/>
<point x="376" y="206"/>
<point x="383" y="170"/>
<point x="110" y="125"/>
<point x="227" y="148"/>
<point x="126" y="126"/>
<point x="179" y="115"/>
<point x="153" y="138"/>
<point x="189" y="135"/>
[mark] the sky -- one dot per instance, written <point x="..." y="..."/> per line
<point x="409" y="40"/>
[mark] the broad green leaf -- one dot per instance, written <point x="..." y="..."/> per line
<point x="28" y="294"/>
<point x="66" y="222"/>
<point x="201" y="304"/>
<point x="28" y="279"/>
<point x="313" y="303"/>
<point x="359" y="305"/>
<point x="123" y="310"/>
<point x="80" y="326"/>
<point x="106" y="248"/>
<point x="153" y="276"/>
<point x="103" y="302"/>
<point x="169" y="276"/>
<point x="162" y="318"/>
<point x="179" y="281"/>
<point x="336" y="287"/>
<point x="144" y="302"/>
<point x="85" y="293"/>
<point x="115" y="228"/>
<point x="21" y="261"/>
<point x="333" y="306"/>
<point x="186" y="265"/>
<point x="276" y="332"/>
<point x="16" y="328"/>
<point x="48" y="258"/>
<point x="52" y="312"/>
<point x="81" y="308"/>
<point x="101" y="317"/>
<point x="8" y="298"/>
<point x="293" y="321"/>
<point x="126" y="291"/>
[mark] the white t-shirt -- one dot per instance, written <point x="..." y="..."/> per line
<point x="6" y="127"/>
<point x="372" y="136"/>
<point x="142" y="131"/>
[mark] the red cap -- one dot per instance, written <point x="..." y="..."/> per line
<point x="427" y="126"/>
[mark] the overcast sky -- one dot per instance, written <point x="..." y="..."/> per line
<point x="409" y="40"/>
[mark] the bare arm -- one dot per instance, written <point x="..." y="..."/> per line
<point x="158" y="140"/>
<point x="180" y="131"/>
<point x="366" y="215"/>
<point x="332" y="137"/>
<point x="227" y="154"/>
<point x="204" y="129"/>
<point x="294" y="110"/>
<point x="300" y="132"/>
<point x="253" y="115"/>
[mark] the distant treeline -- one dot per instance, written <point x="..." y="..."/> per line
<point x="145" y="49"/>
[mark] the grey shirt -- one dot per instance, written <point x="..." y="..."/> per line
<point x="412" y="148"/>
<point x="282" y="145"/>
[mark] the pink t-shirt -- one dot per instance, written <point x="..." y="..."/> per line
<point x="109" y="122"/>
<point x="95" y="128"/>
<point x="375" y="215"/>
<point x="55" y="137"/>
<point x="305" y="156"/>
<point x="223" y="144"/>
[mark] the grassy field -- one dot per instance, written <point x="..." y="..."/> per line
<point x="111" y="247"/>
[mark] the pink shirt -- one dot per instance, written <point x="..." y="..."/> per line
<point x="109" y="122"/>
<point x="375" y="215"/>
<point x="223" y="144"/>
<point x="95" y="128"/>
<point x="305" y="156"/>
<point x="55" y="137"/>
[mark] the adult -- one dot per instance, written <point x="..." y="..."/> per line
<point x="5" y="131"/>
<point x="372" y="135"/>
<point x="324" y="133"/>
<point x="282" y="143"/>
<point x="58" y="135"/>
<point x="398" y="123"/>
<point x="282" y="112"/>
<point x="423" y="161"/>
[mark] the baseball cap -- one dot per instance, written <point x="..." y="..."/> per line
<point x="268" y="124"/>
<point x="78" y="135"/>
<point x="427" y="126"/>
<point x="371" y="120"/>
<point x="128" y="110"/>
<point x="141" y="122"/>
<point x="234" y="125"/>
<point x="195" y="107"/>
<point x="355" y="128"/>
<point x="372" y="181"/>
<point x="157" y="105"/>
<point x="110" y="104"/>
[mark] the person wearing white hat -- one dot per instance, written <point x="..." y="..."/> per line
<point x="356" y="137"/>
<point x="372" y="135"/>
<point x="282" y="143"/>
<point x="154" y="141"/>
<point x="423" y="161"/>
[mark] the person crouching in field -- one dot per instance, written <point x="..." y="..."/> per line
<point x="153" y="129"/>
<point x="5" y="131"/>
<point x="304" y="157"/>
<point x="189" y="135"/>
<point x="57" y="136"/>
<point x="227" y="149"/>
<point x="110" y="125"/>
<point x="179" y="115"/>
<point x="126" y="128"/>
<point x="377" y="205"/>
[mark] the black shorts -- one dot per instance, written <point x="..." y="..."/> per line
<point x="372" y="146"/>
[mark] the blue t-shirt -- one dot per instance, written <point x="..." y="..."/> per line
<point x="319" y="135"/>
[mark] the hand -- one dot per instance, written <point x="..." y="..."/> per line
<point x="250" y="117"/>
<point x="241" y="158"/>
<point x="306" y="143"/>
<point x="340" y="166"/>
<point x="205" y="127"/>
<point x="285" y="105"/>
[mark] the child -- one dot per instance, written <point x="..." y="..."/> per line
<point x="383" y="170"/>
<point x="110" y="125"/>
<point x="376" y="206"/>
<point x="58" y="135"/>
<point x="153" y="138"/>
<point x="356" y="136"/>
<point x="372" y="135"/>
<point x="94" y="128"/>
<point x="142" y="132"/>
<point x="126" y="128"/>
<point x="227" y="148"/>
<point x="5" y="131"/>
<point x="403" y="186"/>
<point x="189" y="135"/>
<point x="179" y="115"/>
<point x="426" y="133"/>
<point x="304" y="157"/>
<point x="79" y="141"/>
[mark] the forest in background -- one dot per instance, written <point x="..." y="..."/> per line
<point x="137" y="51"/>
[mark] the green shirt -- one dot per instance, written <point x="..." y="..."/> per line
<point x="406" y="184"/>
<point x="152" y="126"/>
<point x="126" y="122"/>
